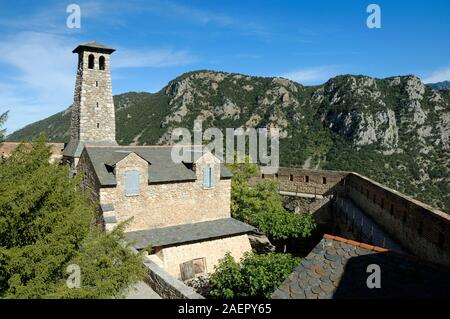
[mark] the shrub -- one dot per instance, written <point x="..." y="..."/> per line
<point x="255" y="275"/>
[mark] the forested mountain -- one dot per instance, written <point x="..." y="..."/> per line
<point x="394" y="130"/>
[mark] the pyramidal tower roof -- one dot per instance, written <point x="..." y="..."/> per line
<point x="94" y="46"/>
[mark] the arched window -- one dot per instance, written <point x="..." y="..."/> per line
<point x="91" y="61"/>
<point x="101" y="63"/>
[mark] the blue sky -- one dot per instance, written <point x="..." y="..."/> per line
<point x="306" y="41"/>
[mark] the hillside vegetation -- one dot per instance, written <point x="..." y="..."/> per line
<point x="394" y="130"/>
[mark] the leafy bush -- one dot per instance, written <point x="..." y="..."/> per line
<point x="262" y="206"/>
<point x="46" y="225"/>
<point x="254" y="276"/>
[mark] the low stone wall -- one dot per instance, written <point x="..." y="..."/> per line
<point x="419" y="228"/>
<point x="297" y="180"/>
<point x="422" y="229"/>
<point x="167" y="286"/>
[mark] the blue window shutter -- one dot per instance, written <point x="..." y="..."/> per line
<point x="132" y="183"/>
<point x="211" y="172"/>
<point x="206" y="177"/>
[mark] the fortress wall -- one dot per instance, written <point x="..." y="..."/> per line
<point x="419" y="228"/>
<point x="299" y="180"/>
<point x="422" y="229"/>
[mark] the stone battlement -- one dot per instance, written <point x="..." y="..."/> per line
<point x="420" y="228"/>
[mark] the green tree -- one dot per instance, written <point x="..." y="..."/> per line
<point x="46" y="225"/>
<point x="261" y="205"/>
<point x="254" y="276"/>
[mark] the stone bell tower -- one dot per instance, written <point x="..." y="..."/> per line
<point x="93" y="119"/>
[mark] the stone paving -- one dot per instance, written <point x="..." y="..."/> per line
<point x="142" y="291"/>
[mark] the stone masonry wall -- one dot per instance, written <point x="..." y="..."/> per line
<point x="423" y="230"/>
<point x="419" y="228"/>
<point x="306" y="181"/>
<point x="167" y="204"/>
<point x="93" y="117"/>
<point x="90" y="184"/>
<point x="211" y="250"/>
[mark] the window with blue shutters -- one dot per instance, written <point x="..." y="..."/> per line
<point x="132" y="183"/>
<point x="208" y="177"/>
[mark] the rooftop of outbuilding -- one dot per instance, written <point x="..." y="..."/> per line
<point x="337" y="268"/>
<point x="162" y="168"/>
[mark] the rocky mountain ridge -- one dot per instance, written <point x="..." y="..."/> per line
<point x="394" y="130"/>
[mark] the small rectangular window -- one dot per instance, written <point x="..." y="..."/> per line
<point x="291" y="177"/>
<point x="276" y="175"/>
<point x="263" y="176"/>
<point x="132" y="183"/>
<point x="193" y="268"/>
<point x="98" y="125"/>
<point x="208" y="177"/>
<point x="324" y="180"/>
<point x="96" y="83"/>
<point x="306" y="179"/>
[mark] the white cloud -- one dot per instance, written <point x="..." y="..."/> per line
<point x="314" y="75"/>
<point x="438" y="76"/>
<point x="40" y="76"/>
<point x="38" y="73"/>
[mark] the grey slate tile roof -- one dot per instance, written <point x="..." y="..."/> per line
<point x="337" y="268"/>
<point x="107" y="207"/>
<point x="161" y="167"/>
<point x="185" y="233"/>
<point x="94" y="45"/>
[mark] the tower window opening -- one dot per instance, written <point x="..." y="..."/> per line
<point x="97" y="104"/>
<point x="98" y="125"/>
<point x="101" y="63"/>
<point x="96" y="83"/>
<point x="91" y="61"/>
<point x="307" y="179"/>
<point x="324" y="180"/>
<point x="291" y="177"/>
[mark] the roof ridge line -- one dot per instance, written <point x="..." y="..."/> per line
<point x="356" y="243"/>
<point x="381" y="249"/>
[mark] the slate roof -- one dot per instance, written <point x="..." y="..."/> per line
<point x="161" y="166"/>
<point x="337" y="268"/>
<point x="179" y="234"/>
<point x="94" y="45"/>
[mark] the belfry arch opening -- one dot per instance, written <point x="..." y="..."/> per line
<point x="101" y="63"/>
<point x="91" y="61"/>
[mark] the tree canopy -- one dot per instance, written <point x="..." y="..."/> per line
<point x="261" y="205"/>
<point x="254" y="276"/>
<point x="46" y="224"/>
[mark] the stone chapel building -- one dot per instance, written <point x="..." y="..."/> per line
<point x="181" y="210"/>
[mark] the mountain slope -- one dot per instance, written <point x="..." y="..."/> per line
<point x="445" y="85"/>
<point x="394" y="130"/>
